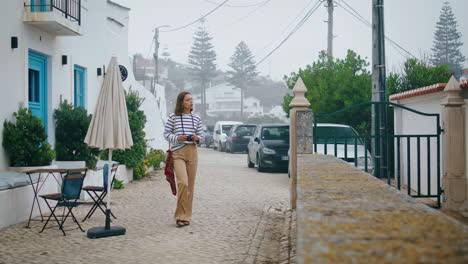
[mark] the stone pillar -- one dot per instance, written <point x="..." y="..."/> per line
<point x="300" y="134"/>
<point x="454" y="149"/>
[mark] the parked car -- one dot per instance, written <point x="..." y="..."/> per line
<point x="207" y="139"/>
<point x="346" y="138"/>
<point x="238" y="137"/>
<point x="268" y="147"/>
<point x="221" y="129"/>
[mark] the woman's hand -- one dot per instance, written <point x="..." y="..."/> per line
<point x="182" y="138"/>
<point x="195" y="137"/>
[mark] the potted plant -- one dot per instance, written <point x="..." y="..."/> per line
<point x="71" y="125"/>
<point x="24" y="141"/>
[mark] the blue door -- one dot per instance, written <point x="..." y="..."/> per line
<point x="79" y="86"/>
<point x="38" y="5"/>
<point x="37" y="86"/>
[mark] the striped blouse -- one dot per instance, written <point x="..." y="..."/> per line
<point x="182" y="125"/>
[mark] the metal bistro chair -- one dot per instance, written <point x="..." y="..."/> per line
<point x="102" y="190"/>
<point x="68" y="198"/>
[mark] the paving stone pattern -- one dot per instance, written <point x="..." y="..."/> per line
<point x="240" y="216"/>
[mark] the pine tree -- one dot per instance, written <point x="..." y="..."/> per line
<point x="243" y="69"/>
<point x="202" y="59"/>
<point x="447" y="43"/>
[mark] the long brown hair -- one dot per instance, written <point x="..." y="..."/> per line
<point x="179" y="108"/>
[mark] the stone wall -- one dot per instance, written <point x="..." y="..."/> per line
<point x="347" y="216"/>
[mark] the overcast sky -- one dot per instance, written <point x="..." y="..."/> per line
<point x="410" y="23"/>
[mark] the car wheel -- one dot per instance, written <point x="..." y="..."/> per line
<point x="260" y="167"/>
<point x="249" y="163"/>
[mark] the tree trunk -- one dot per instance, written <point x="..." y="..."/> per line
<point x="242" y="103"/>
<point x="203" y="100"/>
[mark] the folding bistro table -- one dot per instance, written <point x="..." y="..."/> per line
<point x="42" y="174"/>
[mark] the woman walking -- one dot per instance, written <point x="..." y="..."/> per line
<point x="183" y="129"/>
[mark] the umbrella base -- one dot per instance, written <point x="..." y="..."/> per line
<point x="100" y="232"/>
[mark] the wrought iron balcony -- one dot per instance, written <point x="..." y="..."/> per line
<point x="61" y="17"/>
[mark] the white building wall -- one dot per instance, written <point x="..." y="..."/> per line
<point x="104" y="30"/>
<point x="409" y="123"/>
<point x="253" y="106"/>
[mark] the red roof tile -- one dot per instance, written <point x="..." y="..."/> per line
<point x="419" y="91"/>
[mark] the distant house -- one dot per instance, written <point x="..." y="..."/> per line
<point x="277" y="111"/>
<point x="225" y="100"/>
<point x="464" y="76"/>
<point x="145" y="69"/>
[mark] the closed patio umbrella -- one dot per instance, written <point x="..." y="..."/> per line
<point x="109" y="129"/>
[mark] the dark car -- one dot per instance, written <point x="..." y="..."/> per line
<point x="207" y="139"/>
<point x="238" y="137"/>
<point x="268" y="147"/>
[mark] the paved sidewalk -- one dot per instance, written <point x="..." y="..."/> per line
<point x="240" y="216"/>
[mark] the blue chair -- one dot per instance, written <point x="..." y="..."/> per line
<point x="67" y="198"/>
<point x="98" y="193"/>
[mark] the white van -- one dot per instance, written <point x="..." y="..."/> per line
<point x="219" y="134"/>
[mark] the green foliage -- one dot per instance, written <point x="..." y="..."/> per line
<point x="25" y="140"/>
<point x="243" y="69"/>
<point x="416" y="74"/>
<point x="133" y="157"/>
<point x="118" y="184"/>
<point x="202" y="56"/>
<point x="71" y="126"/>
<point x="264" y="119"/>
<point x="333" y="85"/>
<point x="447" y="42"/>
<point x="140" y="171"/>
<point x="154" y="158"/>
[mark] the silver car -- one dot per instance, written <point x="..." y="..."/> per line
<point x="346" y="141"/>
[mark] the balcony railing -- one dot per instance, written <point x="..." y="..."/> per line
<point x="71" y="9"/>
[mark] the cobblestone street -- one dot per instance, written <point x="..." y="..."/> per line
<point x="240" y="216"/>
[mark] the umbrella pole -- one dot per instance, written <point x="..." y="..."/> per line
<point x="109" y="183"/>
<point x="107" y="230"/>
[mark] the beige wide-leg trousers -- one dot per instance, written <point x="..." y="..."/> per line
<point x="185" y="167"/>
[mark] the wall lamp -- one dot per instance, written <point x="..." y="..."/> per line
<point x="64" y="59"/>
<point x="99" y="71"/>
<point x="14" y="42"/>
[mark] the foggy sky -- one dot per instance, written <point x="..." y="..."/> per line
<point x="410" y="23"/>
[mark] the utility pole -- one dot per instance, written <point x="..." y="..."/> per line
<point x="330" y="28"/>
<point x="379" y="113"/>
<point x="155" y="56"/>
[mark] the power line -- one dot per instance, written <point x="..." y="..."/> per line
<point x="250" y="13"/>
<point x="358" y="16"/>
<point x="286" y="28"/>
<point x="251" y="5"/>
<point x="201" y="18"/>
<point x="298" y="26"/>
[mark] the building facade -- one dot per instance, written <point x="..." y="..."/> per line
<point x="57" y="52"/>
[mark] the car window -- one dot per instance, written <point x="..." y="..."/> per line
<point x="275" y="133"/>
<point x="342" y="134"/>
<point x="245" y="130"/>
<point x="226" y="128"/>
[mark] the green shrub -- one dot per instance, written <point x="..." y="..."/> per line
<point x="118" y="184"/>
<point x="25" y="140"/>
<point x="154" y="158"/>
<point x="71" y="126"/>
<point x="140" y="171"/>
<point x="133" y="157"/>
